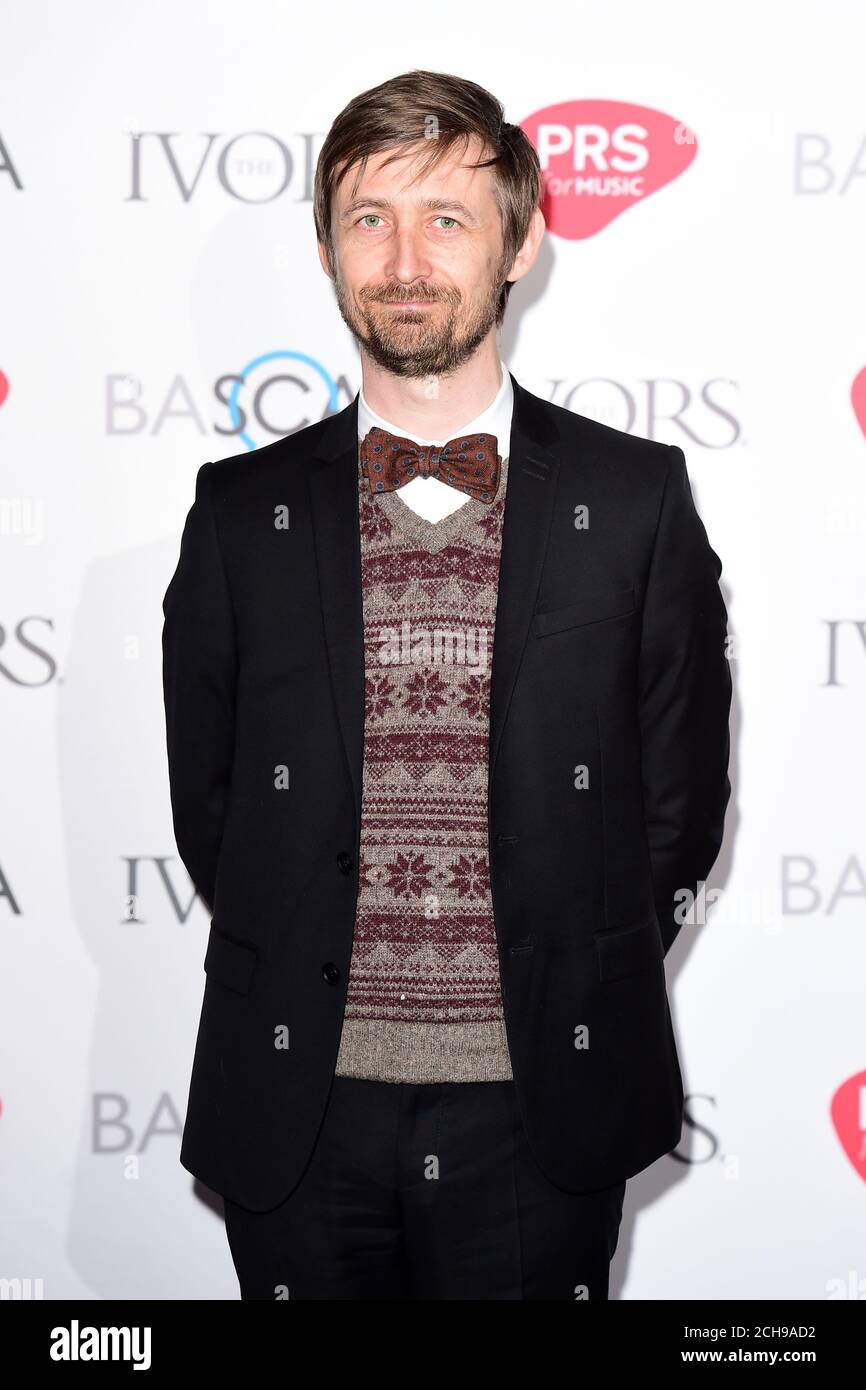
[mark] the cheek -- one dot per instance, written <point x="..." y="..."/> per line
<point x="359" y="265"/>
<point x="479" y="268"/>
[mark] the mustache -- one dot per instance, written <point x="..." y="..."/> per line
<point x="407" y="295"/>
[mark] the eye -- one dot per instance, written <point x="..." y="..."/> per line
<point x="369" y="214"/>
<point x="443" y="217"/>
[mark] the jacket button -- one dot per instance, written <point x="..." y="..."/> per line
<point x="345" y="862"/>
<point x="330" y="972"/>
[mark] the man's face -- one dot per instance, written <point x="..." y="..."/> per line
<point x="418" y="267"/>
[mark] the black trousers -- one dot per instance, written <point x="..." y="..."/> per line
<point x="426" y="1191"/>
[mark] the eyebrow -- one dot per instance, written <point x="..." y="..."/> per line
<point x="431" y="204"/>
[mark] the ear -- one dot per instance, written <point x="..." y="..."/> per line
<point x="323" y="257"/>
<point x="525" y="257"/>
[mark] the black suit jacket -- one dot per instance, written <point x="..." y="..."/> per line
<point x="609" y="654"/>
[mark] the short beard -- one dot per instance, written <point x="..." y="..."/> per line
<point x="436" y="349"/>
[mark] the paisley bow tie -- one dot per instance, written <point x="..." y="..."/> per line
<point x="470" y="462"/>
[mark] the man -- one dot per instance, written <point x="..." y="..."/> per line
<point x="447" y="718"/>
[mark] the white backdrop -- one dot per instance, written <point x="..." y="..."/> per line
<point x="152" y="249"/>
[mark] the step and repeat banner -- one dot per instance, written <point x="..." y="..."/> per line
<point x="161" y="304"/>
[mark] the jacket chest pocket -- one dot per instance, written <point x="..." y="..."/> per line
<point x="589" y="608"/>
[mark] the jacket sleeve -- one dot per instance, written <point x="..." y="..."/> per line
<point x="199" y="669"/>
<point x="684" y="699"/>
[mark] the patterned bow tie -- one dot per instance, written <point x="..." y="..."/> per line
<point x="470" y="462"/>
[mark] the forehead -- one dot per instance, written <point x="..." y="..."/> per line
<point x="402" y="177"/>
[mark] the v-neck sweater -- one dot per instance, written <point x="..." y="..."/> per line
<point x="424" y="1000"/>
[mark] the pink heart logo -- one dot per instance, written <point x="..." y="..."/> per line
<point x="4" y="386"/>
<point x="848" y="1112"/>
<point x="600" y="157"/>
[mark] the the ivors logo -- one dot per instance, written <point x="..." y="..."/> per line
<point x="600" y="157"/>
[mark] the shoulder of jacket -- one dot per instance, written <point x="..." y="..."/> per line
<point x="584" y="434"/>
<point x="247" y="464"/>
<point x="604" y="439"/>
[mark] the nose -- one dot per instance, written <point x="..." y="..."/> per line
<point x="408" y="258"/>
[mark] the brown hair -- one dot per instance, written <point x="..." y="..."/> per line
<point x="406" y="110"/>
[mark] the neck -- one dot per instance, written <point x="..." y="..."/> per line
<point x="460" y="396"/>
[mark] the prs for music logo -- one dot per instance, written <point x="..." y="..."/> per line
<point x="848" y="1113"/>
<point x="858" y="399"/>
<point x="600" y="157"/>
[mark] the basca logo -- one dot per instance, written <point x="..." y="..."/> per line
<point x="600" y="157"/>
<point x="75" y="1343"/>
<point x="269" y="397"/>
<point x="848" y="1113"/>
<point x="821" y="167"/>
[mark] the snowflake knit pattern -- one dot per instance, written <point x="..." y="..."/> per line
<point x="424" y="1000"/>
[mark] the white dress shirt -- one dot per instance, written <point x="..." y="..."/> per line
<point x="429" y="497"/>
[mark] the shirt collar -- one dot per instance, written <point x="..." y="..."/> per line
<point x="496" y="419"/>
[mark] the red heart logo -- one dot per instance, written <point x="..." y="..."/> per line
<point x="848" y="1112"/>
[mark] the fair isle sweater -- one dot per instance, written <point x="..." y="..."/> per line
<point x="424" y="1001"/>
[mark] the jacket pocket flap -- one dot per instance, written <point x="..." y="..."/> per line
<point x="230" y="961"/>
<point x="629" y="951"/>
<point x="590" y="608"/>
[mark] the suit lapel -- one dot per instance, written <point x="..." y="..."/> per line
<point x="533" y="465"/>
<point x="532" y="473"/>
<point x="334" y="508"/>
